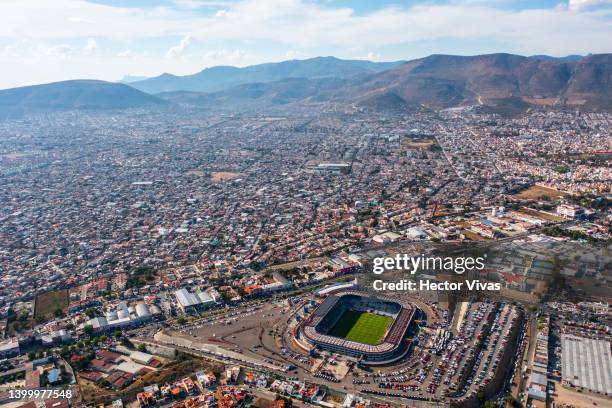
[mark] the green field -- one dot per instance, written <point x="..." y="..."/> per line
<point x="361" y="327"/>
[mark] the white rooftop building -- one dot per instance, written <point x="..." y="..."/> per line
<point x="587" y="363"/>
<point x="189" y="301"/>
<point x="123" y="316"/>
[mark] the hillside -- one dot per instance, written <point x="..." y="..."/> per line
<point x="504" y="83"/>
<point x="76" y="94"/>
<point x="219" y="78"/>
<point x="495" y="80"/>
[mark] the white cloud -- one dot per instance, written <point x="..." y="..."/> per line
<point x="579" y="27"/>
<point x="292" y="54"/>
<point x="196" y="4"/>
<point x="60" y="50"/>
<point x="90" y="46"/>
<point x="372" y="56"/>
<point x="81" y="20"/>
<point x="226" y="57"/>
<point x="178" y="50"/>
<point x="584" y="4"/>
<point x="125" y="54"/>
<point x="38" y="33"/>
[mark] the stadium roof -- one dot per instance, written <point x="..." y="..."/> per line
<point x="336" y="287"/>
<point x="392" y="339"/>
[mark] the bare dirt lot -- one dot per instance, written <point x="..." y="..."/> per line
<point x="417" y="143"/>
<point x="220" y="176"/>
<point x="537" y="192"/>
<point x="47" y="303"/>
<point x="580" y="399"/>
<point x="542" y="215"/>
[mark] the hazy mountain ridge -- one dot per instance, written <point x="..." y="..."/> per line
<point x="441" y="81"/>
<point x="504" y="82"/>
<point x="128" y="79"/>
<point x="219" y="78"/>
<point x="71" y="95"/>
<point x="501" y="82"/>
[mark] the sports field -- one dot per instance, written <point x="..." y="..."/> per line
<point x="361" y="327"/>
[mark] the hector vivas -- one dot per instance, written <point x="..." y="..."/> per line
<point x="422" y="263"/>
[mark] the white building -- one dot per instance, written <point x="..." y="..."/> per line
<point x="386" y="237"/>
<point x="9" y="348"/>
<point x="567" y="210"/>
<point x="188" y="301"/>
<point x="123" y="316"/>
<point x="140" y="357"/>
<point x="586" y="363"/>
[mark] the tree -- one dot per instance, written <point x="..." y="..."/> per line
<point x="481" y="396"/>
<point x="489" y="404"/>
<point x="88" y="329"/>
<point x="126" y="342"/>
<point x="142" y="347"/>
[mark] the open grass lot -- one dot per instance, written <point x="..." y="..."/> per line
<point x="47" y="303"/>
<point x="361" y="327"/>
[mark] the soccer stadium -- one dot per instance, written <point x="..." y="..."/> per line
<point x="370" y="329"/>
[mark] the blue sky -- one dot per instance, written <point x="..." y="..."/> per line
<point x="51" y="40"/>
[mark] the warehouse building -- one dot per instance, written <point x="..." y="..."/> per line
<point x="587" y="364"/>
<point x="189" y="302"/>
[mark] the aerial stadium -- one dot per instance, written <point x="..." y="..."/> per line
<point x="368" y="328"/>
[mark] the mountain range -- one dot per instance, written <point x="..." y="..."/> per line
<point x="500" y="82"/>
<point x="494" y="80"/>
<point x="222" y="77"/>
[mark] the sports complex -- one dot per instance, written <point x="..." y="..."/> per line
<point x="369" y="328"/>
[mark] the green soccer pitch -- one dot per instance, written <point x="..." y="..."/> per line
<point x="361" y="327"/>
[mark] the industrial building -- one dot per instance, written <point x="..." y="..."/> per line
<point x="587" y="364"/>
<point x="189" y="302"/>
<point x="124" y="316"/>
